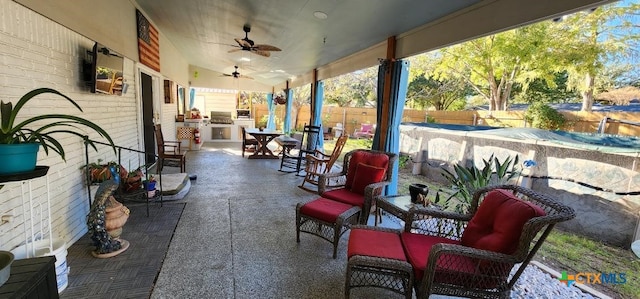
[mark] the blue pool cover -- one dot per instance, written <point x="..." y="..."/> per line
<point x="589" y="141"/>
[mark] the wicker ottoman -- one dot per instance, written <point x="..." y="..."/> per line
<point x="325" y="218"/>
<point x="377" y="259"/>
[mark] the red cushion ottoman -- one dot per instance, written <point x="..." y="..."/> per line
<point x="377" y="259"/>
<point x="325" y="218"/>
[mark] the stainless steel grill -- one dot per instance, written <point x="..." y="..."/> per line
<point x="221" y="117"/>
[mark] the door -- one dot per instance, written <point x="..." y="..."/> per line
<point x="147" y="117"/>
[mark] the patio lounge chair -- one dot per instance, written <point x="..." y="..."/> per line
<point x="441" y="252"/>
<point x="366" y="131"/>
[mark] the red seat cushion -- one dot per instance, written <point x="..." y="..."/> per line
<point x="324" y="209"/>
<point x="345" y="196"/>
<point x="366" y="175"/>
<point x="374" y="159"/>
<point x="375" y="243"/>
<point x="417" y="248"/>
<point x="498" y="223"/>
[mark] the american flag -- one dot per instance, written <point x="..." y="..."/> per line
<point x="148" y="43"/>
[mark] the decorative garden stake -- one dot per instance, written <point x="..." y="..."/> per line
<point x="106" y="246"/>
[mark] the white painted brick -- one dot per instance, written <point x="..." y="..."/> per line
<point x="35" y="52"/>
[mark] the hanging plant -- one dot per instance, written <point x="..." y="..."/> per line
<point x="280" y="100"/>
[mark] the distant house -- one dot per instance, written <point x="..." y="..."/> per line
<point x="621" y="96"/>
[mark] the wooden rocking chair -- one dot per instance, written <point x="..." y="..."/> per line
<point x="320" y="163"/>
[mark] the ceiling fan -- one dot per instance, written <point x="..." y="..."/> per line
<point x="236" y="74"/>
<point x="246" y="44"/>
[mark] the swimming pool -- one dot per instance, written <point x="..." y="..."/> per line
<point x="589" y="141"/>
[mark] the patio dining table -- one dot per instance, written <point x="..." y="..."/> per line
<point x="263" y="137"/>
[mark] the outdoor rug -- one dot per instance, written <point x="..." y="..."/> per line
<point x="132" y="273"/>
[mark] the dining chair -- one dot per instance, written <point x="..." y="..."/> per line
<point x="169" y="152"/>
<point x="248" y="143"/>
<point x="294" y="160"/>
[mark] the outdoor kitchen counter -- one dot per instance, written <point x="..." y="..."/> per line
<point x="217" y="132"/>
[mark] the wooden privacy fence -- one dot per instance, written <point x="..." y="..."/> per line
<point x="352" y="118"/>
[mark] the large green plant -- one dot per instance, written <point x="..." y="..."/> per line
<point x="542" y="116"/>
<point x="28" y="131"/>
<point x="466" y="180"/>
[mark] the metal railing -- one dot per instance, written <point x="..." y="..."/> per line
<point x="119" y="192"/>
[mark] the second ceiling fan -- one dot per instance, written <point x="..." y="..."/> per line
<point x="236" y="74"/>
<point x="245" y="44"/>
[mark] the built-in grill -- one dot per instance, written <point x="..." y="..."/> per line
<point x="221" y="117"/>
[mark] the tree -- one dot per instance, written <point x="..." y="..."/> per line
<point x="540" y="91"/>
<point x="492" y="65"/>
<point x="443" y="94"/>
<point x="356" y="89"/>
<point x="427" y="91"/>
<point x="588" y="42"/>
<point x="301" y="97"/>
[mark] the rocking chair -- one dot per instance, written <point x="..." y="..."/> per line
<point x="320" y="163"/>
<point x="294" y="160"/>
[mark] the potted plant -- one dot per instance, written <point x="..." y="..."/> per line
<point x="20" y="142"/>
<point x="100" y="172"/>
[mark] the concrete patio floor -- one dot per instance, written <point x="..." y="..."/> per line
<point x="235" y="238"/>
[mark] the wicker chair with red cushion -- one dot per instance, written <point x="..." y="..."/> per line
<point x="364" y="175"/>
<point x="472" y="255"/>
<point x="332" y="214"/>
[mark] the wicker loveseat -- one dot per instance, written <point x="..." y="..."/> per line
<point x="468" y="255"/>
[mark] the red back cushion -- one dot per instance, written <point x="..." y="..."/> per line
<point x="380" y="160"/>
<point x="365" y="175"/>
<point x="498" y="223"/>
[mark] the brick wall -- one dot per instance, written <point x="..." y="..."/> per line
<point x="36" y="52"/>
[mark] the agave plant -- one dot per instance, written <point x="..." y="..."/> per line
<point x="26" y="131"/>
<point x="466" y="180"/>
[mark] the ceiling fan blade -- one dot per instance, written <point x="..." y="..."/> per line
<point x="243" y="43"/>
<point x="266" y="48"/>
<point x="234" y="50"/>
<point x="245" y="77"/>
<point x="261" y="53"/>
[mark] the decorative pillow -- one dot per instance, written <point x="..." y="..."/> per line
<point x="366" y="175"/>
<point x="498" y="223"/>
<point x="370" y="158"/>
